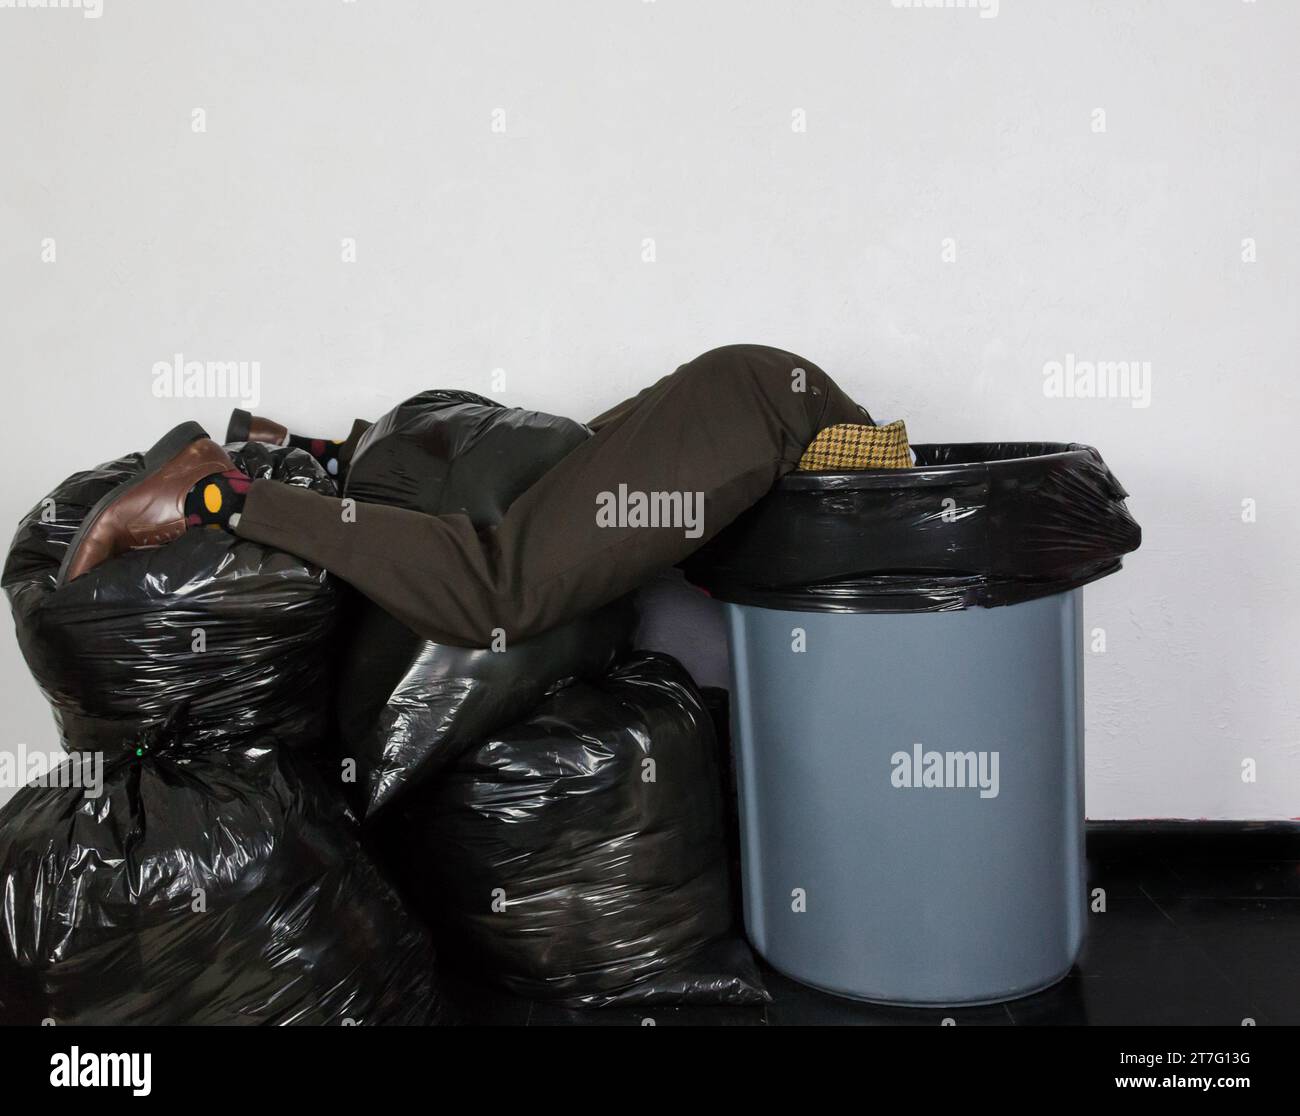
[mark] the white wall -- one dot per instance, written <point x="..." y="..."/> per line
<point x="672" y="120"/>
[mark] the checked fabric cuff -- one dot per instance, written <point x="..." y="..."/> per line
<point x="849" y="447"/>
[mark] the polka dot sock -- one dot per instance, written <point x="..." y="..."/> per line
<point x="215" y="499"/>
<point x="323" y="450"/>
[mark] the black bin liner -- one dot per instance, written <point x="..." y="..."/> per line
<point x="119" y="650"/>
<point x="204" y="887"/>
<point x="408" y="705"/>
<point x="974" y="524"/>
<point x="580" y="855"/>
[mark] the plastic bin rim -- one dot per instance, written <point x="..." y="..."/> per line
<point x="923" y="475"/>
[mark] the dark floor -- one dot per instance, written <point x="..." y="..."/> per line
<point x="1202" y="927"/>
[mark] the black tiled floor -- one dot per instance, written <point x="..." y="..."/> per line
<point x="1201" y="926"/>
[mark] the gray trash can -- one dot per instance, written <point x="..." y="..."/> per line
<point x="907" y="712"/>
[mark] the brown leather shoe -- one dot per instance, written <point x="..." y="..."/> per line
<point x="149" y="509"/>
<point x="244" y="427"/>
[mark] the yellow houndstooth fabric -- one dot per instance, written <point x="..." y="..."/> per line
<point x="849" y="446"/>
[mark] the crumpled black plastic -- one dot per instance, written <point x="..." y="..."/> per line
<point x="580" y="855"/>
<point x="976" y="524"/>
<point x="115" y="654"/>
<point x="407" y="705"/>
<point x="100" y="926"/>
<point x="444" y="452"/>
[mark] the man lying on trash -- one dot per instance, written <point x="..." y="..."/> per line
<point x="725" y="426"/>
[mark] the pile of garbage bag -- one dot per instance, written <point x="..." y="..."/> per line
<point x="617" y="889"/>
<point x="301" y="799"/>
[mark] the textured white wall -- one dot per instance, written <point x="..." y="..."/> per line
<point x="522" y="250"/>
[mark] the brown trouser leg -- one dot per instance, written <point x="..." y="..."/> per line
<point x="727" y="425"/>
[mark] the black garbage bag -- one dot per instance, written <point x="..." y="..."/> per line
<point x="208" y="887"/>
<point x="407" y="705"/>
<point x="444" y="452"/>
<point x="236" y="632"/>
<point x="579" y="855"/>
<point x="987" y="524"/>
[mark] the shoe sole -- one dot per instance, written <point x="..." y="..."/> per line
<point x="155" y="458"/>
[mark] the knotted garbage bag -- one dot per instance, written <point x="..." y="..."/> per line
<point x="201" y="886"/>
<point x="235" y="632"/>
<point x="579" y="855"/>
<point x="408" y="705"/>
